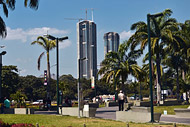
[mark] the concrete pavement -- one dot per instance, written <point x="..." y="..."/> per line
<point x="110" y="113"/>
<point x="174" y="119"/>
<point x="107" y="112"/>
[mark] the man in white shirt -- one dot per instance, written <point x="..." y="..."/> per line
<point x="121" y="98"/>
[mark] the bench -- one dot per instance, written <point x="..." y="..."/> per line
<point x="87" y="111"/>
<point x="19" y="111"/>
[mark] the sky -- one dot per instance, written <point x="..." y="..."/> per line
<point x="24" y="25"/>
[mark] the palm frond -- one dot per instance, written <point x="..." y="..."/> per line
<point x="33" y="4"/>
<point x="3" y="30"/>
<point x="167" y="12"/>
<point x="5" y="10"/>
<point x="136" y="25"/>
<point x="39" y="59"/>
<point x="11" y="4"/>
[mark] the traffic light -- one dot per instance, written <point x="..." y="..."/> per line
<point x="45" y="77"/>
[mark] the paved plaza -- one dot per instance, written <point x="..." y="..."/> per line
<point x="110" y="113"/>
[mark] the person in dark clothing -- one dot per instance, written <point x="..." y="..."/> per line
<point x="48" y="103"/>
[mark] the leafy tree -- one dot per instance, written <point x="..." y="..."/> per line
<point x="103" y="88"/>
<point x="68" y="86"/>
<point x="32" y="87"/>
<point x="20" y="98"/>
<point x="9" y="80"/>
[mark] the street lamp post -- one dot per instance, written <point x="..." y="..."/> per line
<point x="57" y="57"/>
<point x="78" y="86"/>
<point x="1" y="54"/>
<point x="150" y="66"/>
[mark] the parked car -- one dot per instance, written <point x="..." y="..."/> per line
<point x="134" y="97"/>
<point x="108" y="99"/>
<point x="38" y="102"/>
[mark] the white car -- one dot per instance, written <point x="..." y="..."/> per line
<point x="108" y="99"/>
<point x="37" y="102"/>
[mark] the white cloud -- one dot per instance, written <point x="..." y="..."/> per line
<point x="16" y="34"/>
<point x="20" y="60"/>
<point x="125" y="35"/>
<point x="31" y="34"/>
<point x="64" y="44"/>
<point x="22" y="72"/>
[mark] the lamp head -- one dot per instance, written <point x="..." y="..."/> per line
<point x="3" y="53"/>
<point x="63" y="38"/>
<point x="156" y="15"/>
<point x="50" y="37"/>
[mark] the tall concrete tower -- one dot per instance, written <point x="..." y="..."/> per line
<point x="111" y="42"/>
<point x="87" y="49"/>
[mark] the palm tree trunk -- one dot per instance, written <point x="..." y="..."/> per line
<point x="155" y="79"/>
<point x="177" y="83"/>
<point x="183" y="74"/>
<point x="158" y="79"/>
<point x="140" y="92"/>
<point x="183" y="77"/>
<point x="48" y="75"/>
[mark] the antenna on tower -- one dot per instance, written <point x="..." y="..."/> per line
<point x="92" y="9"/>
<point x="86" y="12"/>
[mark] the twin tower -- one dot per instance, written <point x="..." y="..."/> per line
<point x="87" y="48"/>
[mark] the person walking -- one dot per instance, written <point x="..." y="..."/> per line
<point x="6" y="103"/>
<point x="121" y="98"/>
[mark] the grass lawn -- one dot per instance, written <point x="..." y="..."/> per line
<point x="170" y="109"/>
<point x="68" y="121"/>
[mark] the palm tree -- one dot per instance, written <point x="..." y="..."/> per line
<point x="3" y="30"/>
<point x="32" y="3"/>
<point x="178" y="56"/>
<point x="161" y="34"/>
<point x="118" y="65"/>
<point x="185" y="34"/>
<point x="11" y="4"/>
<point x="175" y="61"/>
<point x="47" y="46"/>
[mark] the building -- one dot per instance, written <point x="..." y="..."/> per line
<point x="111" y="42"/>
<point x="87" y="49"/>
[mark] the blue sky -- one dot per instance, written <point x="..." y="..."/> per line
<point x="24" y="25"/>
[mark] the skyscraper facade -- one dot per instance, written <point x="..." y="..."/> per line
<point x="87" y="49"/>
<point x="111" y="42"/>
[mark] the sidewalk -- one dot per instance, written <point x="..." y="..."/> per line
<point x="110" y="113"/>
<point x="174" y="119"/>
